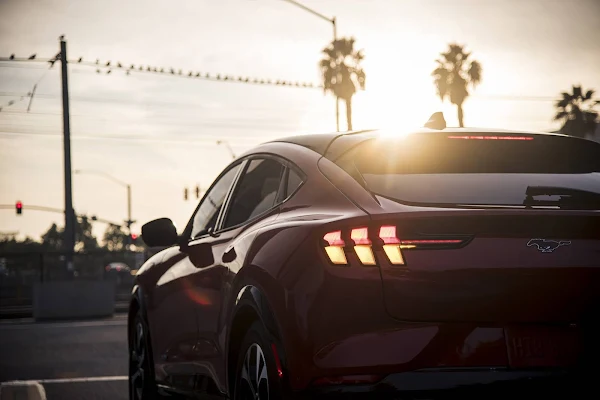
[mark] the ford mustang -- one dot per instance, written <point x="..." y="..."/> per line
<point x="378" y="264"/>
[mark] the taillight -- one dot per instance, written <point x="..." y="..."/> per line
<point x="335" y="247"/>
<point x="490" y="137"/>
<point x="391" y="244"/>
<point x="389" y="241"/>
<point x="362" y="246"/>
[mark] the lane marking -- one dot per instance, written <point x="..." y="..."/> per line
<point x="75" y="324"/>
<point x="71" y="380"/>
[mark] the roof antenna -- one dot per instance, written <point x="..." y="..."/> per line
<point x="436" y="121"/>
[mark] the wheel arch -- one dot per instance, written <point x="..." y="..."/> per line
<point x="252" y="305"/>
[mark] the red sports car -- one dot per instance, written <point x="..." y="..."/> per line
<point x="379" y="264"/>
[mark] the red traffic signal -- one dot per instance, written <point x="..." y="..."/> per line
<point x="19" y="207"/>
<point x="134" y="236"/>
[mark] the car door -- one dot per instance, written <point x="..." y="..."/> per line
<point x="173" y="318"/>
<point x="253" y="199"/>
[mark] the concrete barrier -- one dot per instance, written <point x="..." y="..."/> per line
<point x="22" y="390"/>
<point x="73" y="299"/>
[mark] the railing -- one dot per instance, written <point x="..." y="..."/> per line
<point x="20" y="271"/>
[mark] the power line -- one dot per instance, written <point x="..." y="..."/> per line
<point x="107" y="67"/>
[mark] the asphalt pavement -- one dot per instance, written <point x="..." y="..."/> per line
<point x="72" y="360"/>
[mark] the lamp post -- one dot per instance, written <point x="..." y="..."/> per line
<point x="332" y="21"/>
<point x="127" y="186"/>
<point x="226" y="144"/>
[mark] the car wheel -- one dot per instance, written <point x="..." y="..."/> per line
<point x="141" y="381"/>
<point x="256" y="375"/>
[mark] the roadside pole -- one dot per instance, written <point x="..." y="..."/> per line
<point x="69" y="238"/>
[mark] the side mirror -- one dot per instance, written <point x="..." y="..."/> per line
<point x="159" y="233"/>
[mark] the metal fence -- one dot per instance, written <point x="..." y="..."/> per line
<point x="20" y="271"/>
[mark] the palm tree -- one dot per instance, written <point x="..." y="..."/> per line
<point x="454" y="74"/>
<point x="577" y="112"/>
<point x="342" y="72"/>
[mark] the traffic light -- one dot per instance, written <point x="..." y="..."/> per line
<point x="197" y="191"/>
<point x="19" y="207"/>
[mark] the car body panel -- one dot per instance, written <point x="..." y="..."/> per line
<point x="446" y="308"/>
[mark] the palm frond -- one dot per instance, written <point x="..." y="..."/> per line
<point x="589" y="94"/>
<point x="475" y="73"/>
<point x="561" y="115"/>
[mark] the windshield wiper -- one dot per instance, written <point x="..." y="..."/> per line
<point x="568" y="198"/>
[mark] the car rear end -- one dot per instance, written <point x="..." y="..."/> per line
<point x="488" y="250"/>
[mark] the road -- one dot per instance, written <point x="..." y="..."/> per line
<point x="60" y="354"/>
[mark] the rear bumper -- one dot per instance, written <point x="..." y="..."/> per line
<point x="493" y="383"/>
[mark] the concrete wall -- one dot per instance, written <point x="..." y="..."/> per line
<point x="73" y="299"/>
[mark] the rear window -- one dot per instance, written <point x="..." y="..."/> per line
<point x="478" y="170"/>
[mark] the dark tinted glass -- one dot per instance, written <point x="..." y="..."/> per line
<point x="206" y="216"/>
<point x="441" y="170"/>
<point x="294" y="180"/>
<point x="257" y="191"/>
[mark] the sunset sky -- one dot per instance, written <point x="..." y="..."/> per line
<point x="159" y="133"/>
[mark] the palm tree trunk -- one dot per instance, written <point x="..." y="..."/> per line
<point x="349" y="112"/>
<point x="460" y="115"/>
<point x="337" y="114"/>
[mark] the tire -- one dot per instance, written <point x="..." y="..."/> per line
<point x="142" y="385"/>
<point x="252" y="383"/>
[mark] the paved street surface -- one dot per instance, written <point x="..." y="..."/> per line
<point x="60" y="354"/>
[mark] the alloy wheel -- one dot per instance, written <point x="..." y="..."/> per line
<point x="137" y="362"/>
<point x="254" y="379"/>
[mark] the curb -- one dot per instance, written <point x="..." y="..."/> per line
<point x="22" y="390"/>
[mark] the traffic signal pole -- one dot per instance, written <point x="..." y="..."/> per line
<point x="69" y="239"/>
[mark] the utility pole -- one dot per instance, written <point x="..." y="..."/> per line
<point x="69" y="239"/>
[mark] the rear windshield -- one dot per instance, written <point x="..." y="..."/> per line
<point x="479" y="170"/>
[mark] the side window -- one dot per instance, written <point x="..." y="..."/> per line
<point x="206" y="216"/>
<point x="293" y="181"/>
<point x="256" y="192"/>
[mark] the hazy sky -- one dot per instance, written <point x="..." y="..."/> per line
<point x="159" y="133"/>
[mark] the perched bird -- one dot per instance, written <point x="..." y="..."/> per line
<point x="31" y="57"/>
<point x="97" y="70"/>
<point x="226" y="78"/>
<point x="108" y="72"/>
<point x="12" y="56"/>
<point x="80" y="59"/>
<point x="162" y="70"/>
<point x="207" y="75"/>
<point x="154" y="69"/>
<point x="240" y="79"/>
<point x="119" y="65"/>
<point x="197" y="74"/>
<point x="127" y="72"/>
<point x="108" y="64"/>
<point x="219" y="76"/>
<point x="190" y="73"/>
<point x="52" y="62"/>
<point x="132" y="66"/>
<point x="172" y="71"/>
<point x="141" y="68"/>
<point x="148" y="68"/>
<point x="247" y="80"/>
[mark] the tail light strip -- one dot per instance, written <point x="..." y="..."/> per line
<point x="391" y="244"/>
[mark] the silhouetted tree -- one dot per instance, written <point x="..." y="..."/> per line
<point x="114" y="238"/>
<point x="342" y="73"/>
<point x="453" y="76"/>
<point x="52" y="239"/>
<point x="576" y="111"/>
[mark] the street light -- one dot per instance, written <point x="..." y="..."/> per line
<point x="333" y="22"/>
<point x="226" y="144"/>
<point x="129" y="221"/>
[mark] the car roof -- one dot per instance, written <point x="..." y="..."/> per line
<point x="321" y="143"/>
